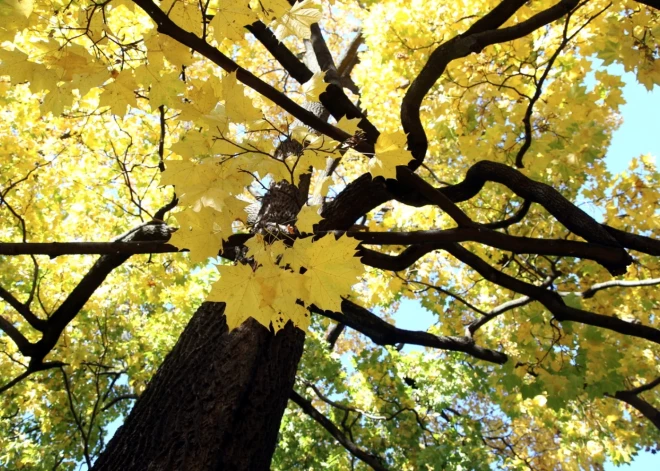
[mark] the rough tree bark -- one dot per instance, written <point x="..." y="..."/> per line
<point x="215" y="403"/>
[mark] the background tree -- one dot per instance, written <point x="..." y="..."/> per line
<point x="415" y="151"/>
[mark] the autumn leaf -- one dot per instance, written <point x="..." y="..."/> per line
<point x="231" y="18"/>
<point x="199" y="232"/>
<point x="298" y="20"/>
<point x="330" y="268"/>
<point x="240" y="287"/>
<point x="308" y="216"/>
<point x="314" y="87"/>
<point x="390" y="153"/>
<point x="348" y="125"/>
<point x="239" y="108"/>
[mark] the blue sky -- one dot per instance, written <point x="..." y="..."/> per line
<point x="639" y="134"/>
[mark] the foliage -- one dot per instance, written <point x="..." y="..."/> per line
<point x="545" y="336"/>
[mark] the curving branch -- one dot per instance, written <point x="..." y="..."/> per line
<point x="438" y="198"/>
<point x="505" y="307"/>
<point x="572" y="217"/>
<point x="382" y="333"/>
<point x="483" y="33"/>
<point x="352" y="448"/>
<point x="515" y="219"/>
<point x="399" y="262"/>
<point x="364" y="194"/>
<point x="631" y="397"/>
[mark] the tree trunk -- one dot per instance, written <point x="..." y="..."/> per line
<point x="215" y="403"/>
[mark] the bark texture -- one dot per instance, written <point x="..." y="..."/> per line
<point x="215" y="403"/>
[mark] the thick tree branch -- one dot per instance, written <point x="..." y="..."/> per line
<point x="166" y="26"/>
<point x="555" y="247"/>
<point x="334" y="99"/>
<point x="23" y="309"/>
<point x="348" y="61"/>
<point x="383" y="333"/>
<point x="296" y="68"/>
<point x="631" y="397"/>
<point x="332" y="429"/>
<point x="22" y="343"/>
<point x="154" y="231"/>
<point x="334" y="333"/>
<point x="364" y="194"/>
<point x="407" y="177"/>
<point x="646" y="387"/>
<point x="399" y="262"/>
<point x="572" y="217"/>
<point x="634" y="241"/>
<point x="551" y="300"/>
<point x="55" y="249"/>
<point x="650" y="3"/>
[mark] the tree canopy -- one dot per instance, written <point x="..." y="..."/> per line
<point x="447" y="156"/>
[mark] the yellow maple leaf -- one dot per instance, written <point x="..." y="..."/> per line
<point x="308" y="216"/>
<point x="160" y="46"/>
<point x="290" y="288"/>
<point x="17" y="65"/>
<point x="120" y="93"/>
<point x="269" y="294"/>
<point x="331" y="268"/>
<point x="210" y="182"/>
<point x="269" y="10"/>
<point x="239" y="108"/>
<point x="349" y="125"/>
<point x="390" y="153"/>
<point x="14" y="15"/>
<point x="298" y="19"/>
<point x="240" y="287"/>
<point x="230" y="20"/>
<point x="314" y="87"/>
<point x="199" y="233"/>
<point x="185" y="14"/>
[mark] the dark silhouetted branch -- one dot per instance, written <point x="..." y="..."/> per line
<point x="23" y="309"/>
<point x="482" y="34"/>
<point x="551" y="300"/>
<point x="555" y="247"/>
<point x="337" y="434"/>
<point x="166" y="26"/>
<point x="383" y="333"/>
